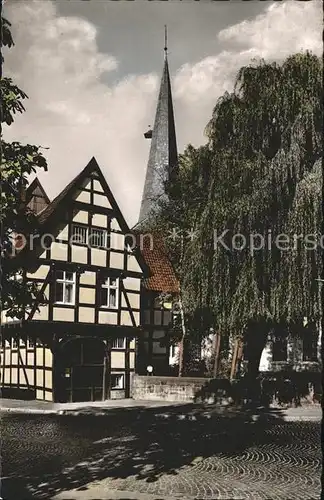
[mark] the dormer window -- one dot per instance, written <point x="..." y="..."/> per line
<point x="64" y="287"/>
<point x="109" y="292"/>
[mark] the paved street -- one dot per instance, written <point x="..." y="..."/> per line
<point x="123" y="456"/>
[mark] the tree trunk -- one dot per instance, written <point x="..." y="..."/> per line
<point x="216" y="352"/>
<point x="234" y="359"/>
<point x="182" y="342"/>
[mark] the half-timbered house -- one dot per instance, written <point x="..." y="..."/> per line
<point x="105" y="297"/>
<point x="78" y="342"/>
<point x="158" y="293"/>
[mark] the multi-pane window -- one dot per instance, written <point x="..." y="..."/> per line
<point x="119" y="343"/>
<point x="79" y="234"/>
<point x="117" y="381"/>
<point x="95" y="237"/>
<point x="64" y="287"/>
<point x="109" y="293"/>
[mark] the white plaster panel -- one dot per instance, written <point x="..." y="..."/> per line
<point x="132" y="264"/>
<point x="79" y="254"/>
<point x="87" y="295"/>
<point x="101" y="201"/>
<point x="97" y="186"/>
<point x="88" y="278"/>
<point x="83" y="197"/>
<point x="99" y="220"/>
<point x="63" y="314"/>
<point x="98" y="257"/>
<point x="107" y="317"/>
<point x="80" y="216"/>
<point x="86" y="315"/>
<point x="117" y="260"/>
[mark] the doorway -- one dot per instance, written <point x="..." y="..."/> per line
<point x="82" y="370"/>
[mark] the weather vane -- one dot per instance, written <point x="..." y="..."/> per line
<point x="165" y="40"/>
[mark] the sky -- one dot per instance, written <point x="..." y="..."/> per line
<point x="91" y="70"/>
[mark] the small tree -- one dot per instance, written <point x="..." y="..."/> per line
<point x="18" y="163"/>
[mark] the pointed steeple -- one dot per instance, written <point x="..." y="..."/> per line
<point x="163" y="156"/>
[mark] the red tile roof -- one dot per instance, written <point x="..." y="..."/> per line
<point x="163" y="278"/>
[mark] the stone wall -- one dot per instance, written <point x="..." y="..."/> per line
<point x="182" y="389"/>
<point x="271" y="389"/>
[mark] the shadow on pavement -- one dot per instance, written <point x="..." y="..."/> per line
<point x="47" y="455"/>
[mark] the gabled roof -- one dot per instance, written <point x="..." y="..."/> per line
<point x="163" y="156"/>
<point x="59" y="203"/>
<point x="162" y="275"/>
<point x="35" y="187"/>
<point x="67" y="192"/>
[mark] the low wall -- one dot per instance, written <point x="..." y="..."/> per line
<point x="272" y="389"/>
<point x="181" y="389"/>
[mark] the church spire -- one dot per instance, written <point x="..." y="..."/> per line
<point x="163" y="156"/>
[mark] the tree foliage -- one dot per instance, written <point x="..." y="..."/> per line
<point x="18" y="162"/>
<point x="259" y="173"/>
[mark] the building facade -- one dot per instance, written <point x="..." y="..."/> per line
<point x="78" y="341"/>
<point x="100" y="313"/>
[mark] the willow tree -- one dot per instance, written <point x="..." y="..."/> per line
<point x="263" y="179"/>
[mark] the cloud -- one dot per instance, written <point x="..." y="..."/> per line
<point x="70" y="109"/>
<point x="282" y="29"/>
<point x="77" y="114"/>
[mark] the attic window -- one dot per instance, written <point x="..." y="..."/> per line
<point x="79" y="234"/>
<point x="98" y="238"/>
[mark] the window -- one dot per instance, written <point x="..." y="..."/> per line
<point x="31" y="343"/>
<point x="79" y="234"/>
<point x="109" y="293"/>
<point x="98" y="238"/>
<point x="172" y="350"/>
<point x="310" y="346"/>
<point x="117" y="381"/>
<point x="37" y="203"/>
<point x="119" y="343"/>
<point x="279" y="351"/>
<point x="14" y="343"/>
<point x="65" y="287"/>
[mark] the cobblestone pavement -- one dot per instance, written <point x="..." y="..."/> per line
<point x="220" y="458"/>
